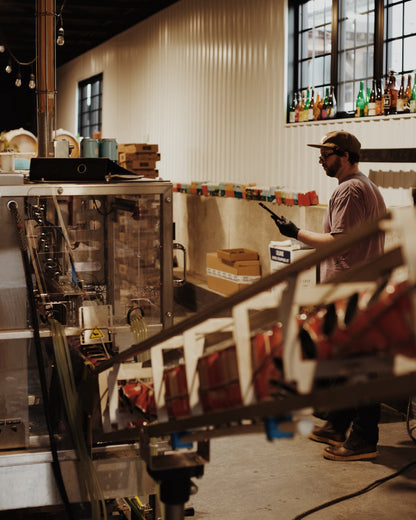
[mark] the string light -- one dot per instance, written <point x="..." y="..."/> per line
<point x="18" y="81"/>
<point x="32" y="82"/>
<point x="60" y="40"/>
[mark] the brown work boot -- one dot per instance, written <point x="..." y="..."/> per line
<point x="327" y="435"/>
<point x="360" y="452"/>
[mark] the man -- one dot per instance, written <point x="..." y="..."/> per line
<point x="354" y="202"/>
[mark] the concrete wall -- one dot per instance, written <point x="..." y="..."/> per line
<point x="205" y="224"/>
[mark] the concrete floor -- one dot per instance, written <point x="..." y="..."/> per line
<point x="249" y="478"/>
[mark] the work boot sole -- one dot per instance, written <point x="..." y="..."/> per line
<point x="356" y="456"/>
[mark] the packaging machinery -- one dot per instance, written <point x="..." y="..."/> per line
<point x="102" y="396"/>
<point x="86" y="272"/>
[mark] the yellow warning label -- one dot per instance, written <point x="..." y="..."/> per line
<point x="96" y="334"/>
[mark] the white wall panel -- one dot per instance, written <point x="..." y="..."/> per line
<point x="205" y="79"/>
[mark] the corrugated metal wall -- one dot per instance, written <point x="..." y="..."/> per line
<point x="205" y="79"/>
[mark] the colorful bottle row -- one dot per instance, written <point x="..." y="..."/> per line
<point x="374" y="102"/>
<point x="305" y="107"/>
<point x="249" y="192"/>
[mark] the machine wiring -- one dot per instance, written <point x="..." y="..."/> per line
<point x="71" y="402"/>
<point x="13" y="208"/>
<point x="368" y="488"/>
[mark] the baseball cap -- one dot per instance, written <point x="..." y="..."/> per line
<point x="340" y="141"/>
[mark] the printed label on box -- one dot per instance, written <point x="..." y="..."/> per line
<point x="241" y="279"/>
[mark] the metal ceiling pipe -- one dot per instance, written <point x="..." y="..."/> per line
<point x="46" y="75"/>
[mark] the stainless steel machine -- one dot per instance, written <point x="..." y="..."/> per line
<point x="86" y="272"/>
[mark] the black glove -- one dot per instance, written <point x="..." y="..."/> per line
<point x="286" y="227"/>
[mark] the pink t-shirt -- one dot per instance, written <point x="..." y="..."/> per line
<point x="355" y="201"/>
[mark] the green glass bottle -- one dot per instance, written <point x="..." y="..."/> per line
<point x="413" y="97"/>
<point x="324" y="112"/>
<point x="360" y="103"/>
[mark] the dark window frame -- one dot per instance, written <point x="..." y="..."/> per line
<point x="381" y="41"/>
<point x="91" y="110"/>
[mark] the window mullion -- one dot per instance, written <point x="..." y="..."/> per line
<point x="378" y="39"/>
<point x="334" y="43"/>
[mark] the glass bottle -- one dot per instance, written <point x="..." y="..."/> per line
<point x="311" y="106"/>
<point x="379" y="99"/>
<point x="360" y="102"/>
<point x="413" y="97"/>
<point x="366" y="101"/>
<point x="400" y="97"/>
<point x="307" y="103"/>
<point x="331" y="105"/>
<point x="292" y="109"/>
<point x="302" y="108"/>
<point x="393" y="90"/>
<point x="317" y="108"/>
<point x="408" y="93"/>
<point x="372" y="100"/>
<point x="297" y="108"/>
<point x="324" y="113"/>
<point x="387" y="98"/>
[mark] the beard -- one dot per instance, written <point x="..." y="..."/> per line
<point x="332" y="171"/>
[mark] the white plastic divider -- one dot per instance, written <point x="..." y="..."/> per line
<point x="242" y="337"/>
<point x="156" y="354"/>
<point x="108" y="389"/>
<point x="194" y="340"/>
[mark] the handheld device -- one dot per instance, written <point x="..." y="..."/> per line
<point x="269" y="210"/>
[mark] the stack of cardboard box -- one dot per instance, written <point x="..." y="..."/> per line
<point x="139" y="158"/>
<point x="229" y="270"/>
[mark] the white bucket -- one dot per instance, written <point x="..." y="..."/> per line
<point x="6" y="162"/>
<point x="64" y="135"/>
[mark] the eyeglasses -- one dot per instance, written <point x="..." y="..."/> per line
<point x="324" y="157"/>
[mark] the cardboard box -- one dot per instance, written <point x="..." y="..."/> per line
<point x="233" y="255"/>
<point x="138" y="148"/>
<point x="125" y="157"/>
<point x="287" y="252"/>
<point x="229" y="277"/>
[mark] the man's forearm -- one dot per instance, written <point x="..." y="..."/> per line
<point x="315" y="240"/>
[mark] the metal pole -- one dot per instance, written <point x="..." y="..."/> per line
<point x="45" y="73"/>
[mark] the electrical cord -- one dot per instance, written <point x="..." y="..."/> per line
<point x="12" y="206"/>
<point x="370" y="487"/>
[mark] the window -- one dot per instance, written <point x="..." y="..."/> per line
<point x="343" y="42"/>
<point x="90" y="105"/>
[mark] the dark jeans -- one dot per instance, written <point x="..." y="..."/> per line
<point x="364" y="423"/>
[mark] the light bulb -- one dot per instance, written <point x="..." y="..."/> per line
<point x="60" y="40"/>
<point x="32" y="83"/>
<point x="8" y="68"/>
<point x="2" y="48"/>
<point x="18" y="81"/>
